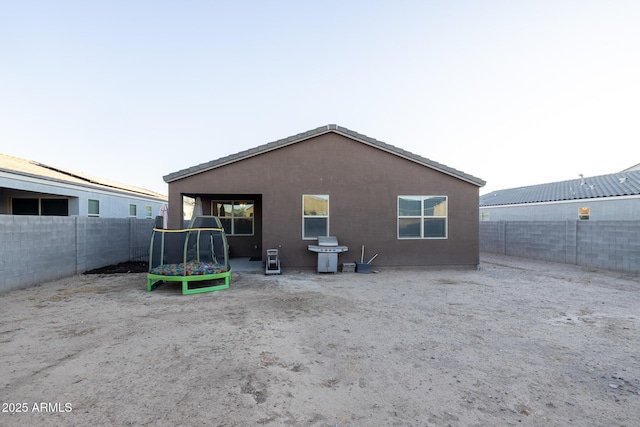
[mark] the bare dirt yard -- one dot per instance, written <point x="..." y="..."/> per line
<point x="517" y="342"/>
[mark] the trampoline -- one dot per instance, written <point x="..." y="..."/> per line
<point x="197" y="257"/>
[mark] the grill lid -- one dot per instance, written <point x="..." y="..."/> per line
<point x="327" y="241"/>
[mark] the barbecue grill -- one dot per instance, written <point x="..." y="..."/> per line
<point x="328" y="250"/>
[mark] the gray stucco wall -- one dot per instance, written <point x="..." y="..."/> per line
<point x="609" y="245"/>
<point x="36" y="249"/>
<point x="621" y="208"/>
<point x="113" y="204"/>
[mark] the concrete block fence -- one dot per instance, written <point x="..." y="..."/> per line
<point x="607" y="245"/>
<point x="37" y="249"/>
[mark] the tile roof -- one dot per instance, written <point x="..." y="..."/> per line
<point x="314" y="133"/>
<point x="625" y="183"/>
<point x="30" y="168"/>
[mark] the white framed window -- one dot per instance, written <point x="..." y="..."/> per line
<point x="94" y="207"/>
<point x="148" y="212"/>
<point x="315" y="216"/>
<point x="422" y="217"/>
<point x="236" y="216"/>
<point x="133" y="211"/>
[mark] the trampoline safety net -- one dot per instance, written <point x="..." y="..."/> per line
<point x="196" y="254"/>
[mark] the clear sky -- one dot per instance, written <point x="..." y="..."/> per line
<point x="513" y="92"/>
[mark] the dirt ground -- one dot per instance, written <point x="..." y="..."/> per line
<point x="518" y="342"/>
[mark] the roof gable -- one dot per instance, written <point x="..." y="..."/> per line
<point x="312" y="134"/>
<point x="611" y="185"/>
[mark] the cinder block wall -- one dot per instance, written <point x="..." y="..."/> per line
<point x="612" y="245"/>
<point x="608" y="245"/>
<point x="37" y="249"/>
<point x="536" y="239"/>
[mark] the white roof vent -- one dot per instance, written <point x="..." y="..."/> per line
<point x="622" y="179"/>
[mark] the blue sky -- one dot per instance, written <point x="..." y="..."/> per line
<point x="513" y="92"/>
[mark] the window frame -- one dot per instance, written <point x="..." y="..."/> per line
<point x="214" y="208"/>
<point x="584" y="213"/>
<point x="327" y="216"/>
<point x="44" y="206"/>
<point x="25" y="205"/>
<point x="422" y="217"/>
<point x="135" y="210"/>
<point x="148" y="212"/>
<point x="97" y="203"/>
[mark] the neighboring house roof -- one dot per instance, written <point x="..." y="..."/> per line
<point x="626" y="183"/>
<point x="33" y="169"/>
<point x="312" y="134"/>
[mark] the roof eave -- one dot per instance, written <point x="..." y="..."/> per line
<point x="272" y="146"/>
<point x="99" y="187"/>
<point x="411" y="157"/>
<point x="243" y="155"/>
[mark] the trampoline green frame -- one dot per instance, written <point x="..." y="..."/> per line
<point x="154" y="279"/>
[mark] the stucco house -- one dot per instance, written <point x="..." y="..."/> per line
<point x="28" y="187"/>
<point x="611" y="197"/>
<point x="331" y="181"/>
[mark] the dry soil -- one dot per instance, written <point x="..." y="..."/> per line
<point x="517" y="342"/>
